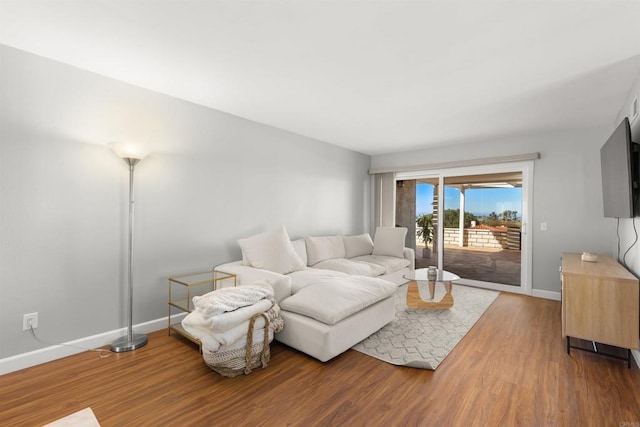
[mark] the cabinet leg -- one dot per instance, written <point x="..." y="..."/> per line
<point x="628" y="359"/>
<point x="568" y="344"/>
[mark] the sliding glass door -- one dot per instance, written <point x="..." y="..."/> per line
<point x="473" y="222"/>
<point x="483" y="227"/>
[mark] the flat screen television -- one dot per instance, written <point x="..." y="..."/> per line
<point x="619" y="162"/>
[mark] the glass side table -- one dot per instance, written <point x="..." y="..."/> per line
<point x="182" y="289"/>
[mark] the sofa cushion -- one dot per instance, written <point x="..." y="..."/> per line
<point x="309" y="276"/>
<point x="271" y="250"/>
<point x="389" y="241"/>
<point x="358" y="245"/>
<point x="389" y="264"/>
<point x="325" y="247"/>
<point x="350" y="266"/>
<point x="331" y="301"/>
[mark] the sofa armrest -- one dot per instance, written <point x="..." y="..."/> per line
<point x="410" y="255"/>
<point x="246" y="274"/>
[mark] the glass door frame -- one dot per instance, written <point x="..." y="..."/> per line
<point x="526" y="168"/>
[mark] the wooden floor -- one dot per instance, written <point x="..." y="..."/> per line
<point x="510" y="369"/>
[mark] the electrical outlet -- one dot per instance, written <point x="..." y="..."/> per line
<point x="30" y="319"/>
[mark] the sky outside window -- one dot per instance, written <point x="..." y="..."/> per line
<point x="478" y="201"/>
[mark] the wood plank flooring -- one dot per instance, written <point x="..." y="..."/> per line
<point x="510" y="369"/>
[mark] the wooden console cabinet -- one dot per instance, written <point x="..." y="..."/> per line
<point x="600" y="302"/>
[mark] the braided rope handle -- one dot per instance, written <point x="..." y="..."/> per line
<point x="265" y="342"/>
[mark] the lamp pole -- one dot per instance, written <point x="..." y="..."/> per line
<point x="131" y="341"/>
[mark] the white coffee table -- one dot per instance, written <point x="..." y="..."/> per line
<point x="420" y="275"/>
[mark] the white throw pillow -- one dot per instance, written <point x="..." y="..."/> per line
<point x="325" y="247"/>
<point x="301" y="249"/>
<point x="358" y="245"/>
<point x="271" y="250"/>
<point x="245" y="261"/>
<point x="389" y="241"/>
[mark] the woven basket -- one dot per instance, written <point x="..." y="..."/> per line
<point x="242" y="360"/>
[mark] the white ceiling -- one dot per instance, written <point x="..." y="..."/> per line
<point x="371" y="76"/>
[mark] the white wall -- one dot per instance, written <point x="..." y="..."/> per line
<point x="566" y="194"/>
<point x="627" y="234"/>
<point x="212" y="178"/>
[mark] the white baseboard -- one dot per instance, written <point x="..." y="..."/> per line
<point x="540" y="293"/>
<point x="48" y="354"/>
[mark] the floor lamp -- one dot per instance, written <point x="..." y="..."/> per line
<point x="130" y="341"/>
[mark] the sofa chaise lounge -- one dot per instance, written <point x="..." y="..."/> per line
<point x="334" y="291"/>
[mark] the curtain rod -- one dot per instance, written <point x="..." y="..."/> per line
<point x="458" y="163"/>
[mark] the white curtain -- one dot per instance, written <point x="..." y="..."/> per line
<point x="385" y="200"/>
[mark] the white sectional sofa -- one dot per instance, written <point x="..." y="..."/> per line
<point x="334" y="291"/>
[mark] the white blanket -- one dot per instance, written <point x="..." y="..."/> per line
<point x="226" y="320"/>
<point x="212" y="341"/>
<point x="229" y="299"/>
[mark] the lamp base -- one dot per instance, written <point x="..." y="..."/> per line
<point x="123" y="344"/>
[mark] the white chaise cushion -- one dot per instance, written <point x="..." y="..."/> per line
<point x="330" y="301"/>
<point x="309" y="276"/>
<point x="350" y="266"/>
<point x="389" y="241"/>
<point x="388" y="264"/>
<point x="324" y="247"/>
<point x="358" y="245"/>
<point x="271" y="250"/>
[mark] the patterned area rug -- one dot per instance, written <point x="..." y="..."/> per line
<point x="420" y="338"/>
